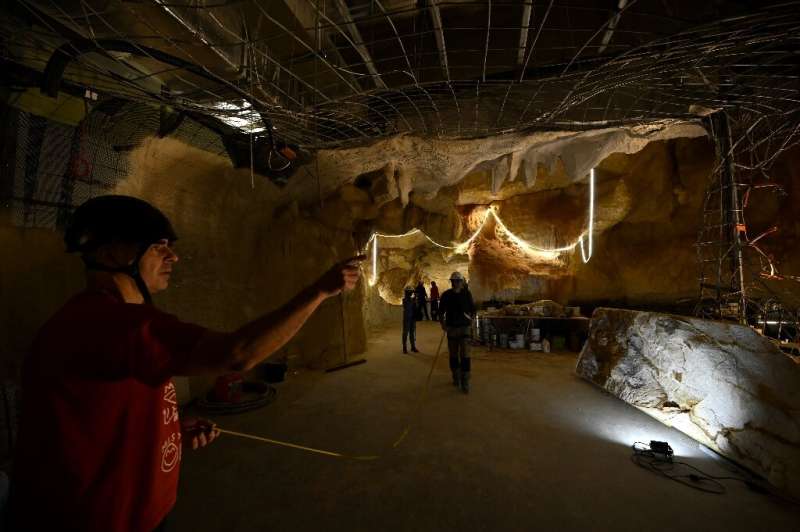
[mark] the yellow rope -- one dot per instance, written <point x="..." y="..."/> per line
<point x="294" y="445"/>
<point x="422" y="397"/>
<point x="403" y="434"/>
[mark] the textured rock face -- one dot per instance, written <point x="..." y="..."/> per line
<point x="423" y="165"/>
<point x="240" y="255"/>
<point x="647" y="209"/>
<point x="738" y="392"/>
<point x="248" y="248"/>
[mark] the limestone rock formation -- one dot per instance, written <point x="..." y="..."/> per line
<point x="737" y="391"/>
<point x="401" y="164"/>
<point x="647" y="207"/>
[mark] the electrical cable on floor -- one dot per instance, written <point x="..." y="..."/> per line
<point x="662" y="464"/>
<point x="413" y="417"/>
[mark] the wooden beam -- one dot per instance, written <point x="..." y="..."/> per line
<point x="436" y="15"/>
<point x="358" y="42"/>
<point x="611" y="27"/>
<point x="308" y="18"/>
<point x="527" y="10"/>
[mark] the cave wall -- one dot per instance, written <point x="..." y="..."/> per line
<point x="246" y="249"/>
<point x="36" y="278"/>
<point x="648" y="257"/>
<point x="240" y="256"/>
<point x="648" y="209"/>
<point x="243" y="254"/>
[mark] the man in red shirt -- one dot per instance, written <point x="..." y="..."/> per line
<point x="434" y="301"/>
<point x="100" y="441"/>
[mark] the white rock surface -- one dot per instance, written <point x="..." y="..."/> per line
<point x="425" y="165"/>
<point x="735" y="386"/>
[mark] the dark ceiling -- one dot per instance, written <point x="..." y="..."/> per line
<point x="339" y="72"/>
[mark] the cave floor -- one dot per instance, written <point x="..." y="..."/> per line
<point x="532" y="447"/>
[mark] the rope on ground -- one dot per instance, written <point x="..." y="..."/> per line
<point x="415" y="414"/>
<point x="294" y="445"/>
<point x="424" y="395"/>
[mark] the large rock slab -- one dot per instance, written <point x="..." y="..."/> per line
<point x="734" y="390"/>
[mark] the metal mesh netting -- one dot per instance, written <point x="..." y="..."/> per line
<point x="56" y="166"/>
<point x="328" y="73"/>
<point x="336" y="73"/>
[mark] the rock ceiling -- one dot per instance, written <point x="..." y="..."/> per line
<point x="398" y="166"/>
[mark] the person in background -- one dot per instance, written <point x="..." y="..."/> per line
<point x="409" y="319"/>
<point x="434" y="301"/>
<point x="456" y="311"/>
<point x="422" y="301"/>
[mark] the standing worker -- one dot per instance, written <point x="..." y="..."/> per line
<point x="100" y="441"/>
<point x="409" y="319"/>
<point x="456" y="310"/>
<point x="422" y="301"/>
<point x="434" y="301"/>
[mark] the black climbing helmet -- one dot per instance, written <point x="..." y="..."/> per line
<point x="106" y="219"/>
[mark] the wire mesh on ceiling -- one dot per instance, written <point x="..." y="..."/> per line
<point x="333" y="73"/>
<point x="328" y="73"/>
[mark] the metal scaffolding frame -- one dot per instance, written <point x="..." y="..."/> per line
<point x="331" y="73"/>
<point x="314" y="74"/>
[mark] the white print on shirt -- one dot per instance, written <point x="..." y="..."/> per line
<point x="170" y="410"/>
<point x="170" y="396"/>
<point x="171" y="452"/>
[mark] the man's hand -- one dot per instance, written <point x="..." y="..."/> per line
<point x="341" y="277"/>
<point x="198" y="432"/>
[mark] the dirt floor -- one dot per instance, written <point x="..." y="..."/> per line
<point x="532" y="447"/>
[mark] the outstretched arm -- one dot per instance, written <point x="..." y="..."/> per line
<point x="241" y="350"/>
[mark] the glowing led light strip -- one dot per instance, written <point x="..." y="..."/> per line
<point x="409" y="233"/>
<point x="374" y="262"/>
<point x="584" y="256"/>
<point x="464" y="246"/>
<point x="529" y="248"/>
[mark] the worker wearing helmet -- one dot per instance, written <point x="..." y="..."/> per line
<point x="456" y="310"/>
<point x="409" y="319"/>
<point x="100" y="441"/>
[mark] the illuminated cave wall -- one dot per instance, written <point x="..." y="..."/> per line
<point x="647" y="211"/>
<point x="648" y="207"/>
<point x="245" y="250"/>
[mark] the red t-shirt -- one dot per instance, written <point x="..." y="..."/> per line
<point x="99" y="446"/>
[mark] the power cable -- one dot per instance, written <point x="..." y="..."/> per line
<point x="653" y="458"/>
